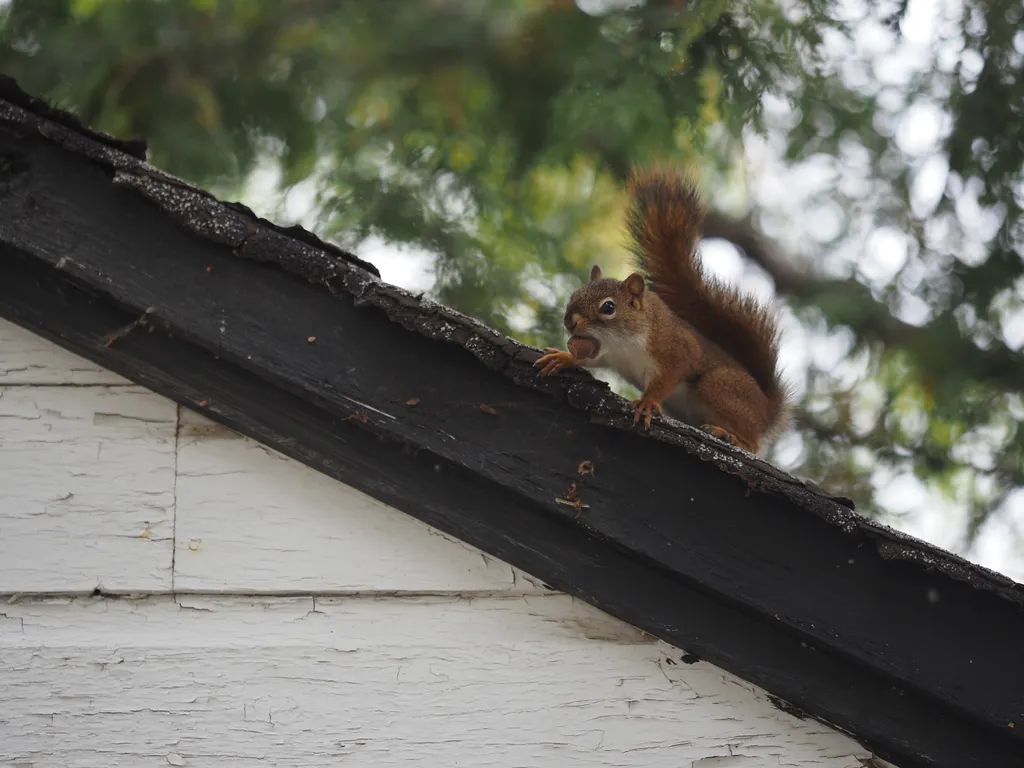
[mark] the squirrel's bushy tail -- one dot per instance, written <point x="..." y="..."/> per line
<point x="665" y="222"/>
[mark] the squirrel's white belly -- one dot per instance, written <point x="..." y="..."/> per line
<point x="682" y="405"/>
<point x="629" y="359"/>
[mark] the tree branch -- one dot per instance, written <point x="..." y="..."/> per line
<point x="939" y="348"/>
<point x="743" y="234"/>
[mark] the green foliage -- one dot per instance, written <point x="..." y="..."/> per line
<point x="496" y="136"/>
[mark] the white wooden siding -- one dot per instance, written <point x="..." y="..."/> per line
<point x="88" y="489"/>
<point x="252" y="520"/>
<point x="401" y="646"/>
<point x="537" y="681"/>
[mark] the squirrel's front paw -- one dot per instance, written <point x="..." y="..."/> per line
<point x="645" y="407"/>
<point x="555" y="360"/>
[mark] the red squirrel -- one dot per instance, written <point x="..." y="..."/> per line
<point x="693" y="345"/>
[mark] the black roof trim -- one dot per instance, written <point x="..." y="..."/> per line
<point x="12" y="93"/>
<point x="909" y="648"/>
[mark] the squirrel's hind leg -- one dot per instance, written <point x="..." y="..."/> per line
<point x="728" y="437"/>
<point x="732" y="404"/>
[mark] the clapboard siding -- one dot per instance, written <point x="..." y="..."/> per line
<point x="534" y="681"/>
<point x="252" y="520"/>
<point x="86" y="489"/>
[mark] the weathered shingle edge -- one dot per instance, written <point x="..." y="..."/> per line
<point x="303" y="254"/>
<point x="11" y="92"/>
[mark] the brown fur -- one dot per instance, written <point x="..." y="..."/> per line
<point x="665" y="222"/>
<point x="699" y="348"/>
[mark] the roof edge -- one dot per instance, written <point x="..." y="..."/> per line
<point x="302" y="253"/>
<point x="12" y="92"/>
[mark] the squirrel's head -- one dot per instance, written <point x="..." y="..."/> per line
<point x="606" y="310"/>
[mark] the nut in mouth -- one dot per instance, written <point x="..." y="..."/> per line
<point x="583" y="347"/>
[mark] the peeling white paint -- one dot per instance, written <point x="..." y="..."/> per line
<point x="86" y="489"/>
<point x="370" y="682"/>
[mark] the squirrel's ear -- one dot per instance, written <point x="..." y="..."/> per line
<point x="595" y="273"/>
<point x="635" y="285"/>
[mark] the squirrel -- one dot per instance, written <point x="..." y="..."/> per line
<point x="697" y="347"/>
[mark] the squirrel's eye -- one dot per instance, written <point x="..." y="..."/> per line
<point x="608" y="308"/>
